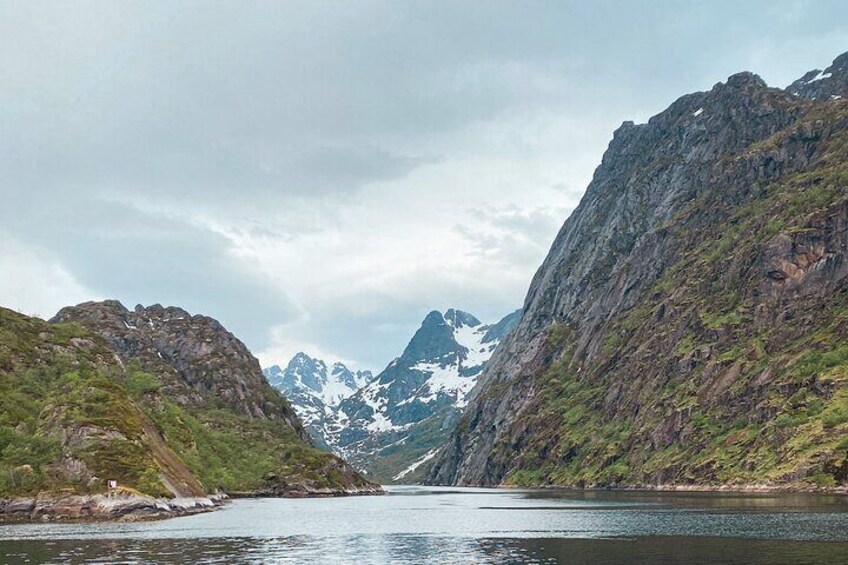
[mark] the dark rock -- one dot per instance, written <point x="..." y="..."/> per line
<point x="663" y="309"/>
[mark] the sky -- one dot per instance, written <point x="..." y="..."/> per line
<point x="318" y="176"/>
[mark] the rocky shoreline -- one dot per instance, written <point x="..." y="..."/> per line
<point x="300" y="491"/>
<point x="762" y="488"/>
<point x="131" y="507"/>
<point x="122" y="506"/>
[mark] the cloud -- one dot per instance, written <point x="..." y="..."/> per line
<point x="321" y="175"/>
<point x="35" y="283"/>
<point x="512" y="235"/>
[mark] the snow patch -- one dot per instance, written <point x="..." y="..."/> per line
<point x="698" y="112"/>
<point x="471" y="338"/>
<point x="444" y="380"/>
<point x="429" y="455"/>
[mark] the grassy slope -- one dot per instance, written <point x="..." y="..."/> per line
<point x="764" y="402"/>
<point x="55" y="381"/>
<point x="64" y="397"/>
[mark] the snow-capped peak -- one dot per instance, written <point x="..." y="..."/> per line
<point x="312" y="376"/>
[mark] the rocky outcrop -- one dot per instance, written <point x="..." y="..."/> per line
<point x="118" y="505"/>
<point x="829" y="84"/>
<point x="195" y="358"/>
<point x="686" y="326"/>
<point x="299" y="486"/>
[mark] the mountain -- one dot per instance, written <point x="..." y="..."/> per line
<point x="831" y="83"/>
<point x="315" y="389"/>
<point x="393" y="424"/>
<point x="689" y="325"/>
<point x="166" y="403"/>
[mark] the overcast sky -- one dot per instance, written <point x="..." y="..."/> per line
<point x="318" y="176"/>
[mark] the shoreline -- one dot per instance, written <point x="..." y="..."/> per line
<point x="789" y="488"/>
<point x="108" y="507"/>
<point x="375" y="490"/>
<point x="133" y="507"/>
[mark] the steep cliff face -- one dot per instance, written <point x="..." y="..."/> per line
<point x="688" y="323"/>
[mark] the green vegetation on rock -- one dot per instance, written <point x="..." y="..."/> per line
<point x="73" y="415"/>
<point x="723" y="424"/>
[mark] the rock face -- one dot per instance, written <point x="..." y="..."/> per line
<point x="68" y="421"/>
<point x="171" y="406"/>
<point x="829" y="84"/>
<point x="315" y="389"/>
<point x="688" y="325"/>
<point x="195" y="358"/>
<point x="392" y="425"/>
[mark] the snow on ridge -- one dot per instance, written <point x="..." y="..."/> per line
<point x="357" y="424"/>
<point x="820" y="76"/>
<point x="329" y="383"/>
<point x="380" y="421"/>
<point x="471" y="338"/>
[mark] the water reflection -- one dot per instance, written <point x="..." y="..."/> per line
<point x="403" y="550"/>
<point x="464" y="526"/>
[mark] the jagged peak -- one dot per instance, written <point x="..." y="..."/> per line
<point x="302" y="359"/>
<point x="434" y="316"/>
<point x="458" y="318"/>
<point x="742" y="80"/>
<point x="826" y="84"/>
<point x="118" y="307"/>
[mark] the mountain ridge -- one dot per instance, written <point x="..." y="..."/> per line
<point x="315" y="388"/>
<point x="394" y="420"/>
<point x="649" y="351"/>
<point x="402" y="415"/>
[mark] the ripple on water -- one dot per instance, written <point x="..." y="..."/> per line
<point x="464" y="526"/>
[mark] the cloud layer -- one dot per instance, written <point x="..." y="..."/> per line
<point x="320" y="175"/>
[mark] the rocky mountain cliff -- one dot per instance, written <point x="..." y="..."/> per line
<point x="689" y="323"/>
<point x="165" y="403"/>
<point x="393" y="424"/>
<point x="315" y="389"/>
<point x="196" y="360"/>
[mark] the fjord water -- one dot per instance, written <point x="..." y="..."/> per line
<point x="460" y="525"/>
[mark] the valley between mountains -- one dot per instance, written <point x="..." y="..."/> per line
<point x="390" y="425"/>
<point x="688" y="329"/>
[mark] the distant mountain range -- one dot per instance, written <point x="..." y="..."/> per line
<point x="315" y="389"/>
<point x="389" y="425"/>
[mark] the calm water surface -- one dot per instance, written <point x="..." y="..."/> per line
<point x="452" y="525"/>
